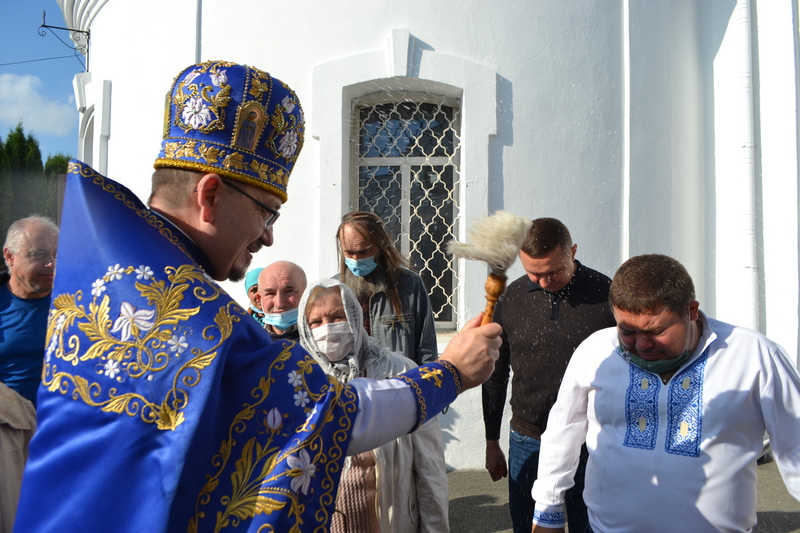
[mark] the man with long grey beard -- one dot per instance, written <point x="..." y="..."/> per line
<point x="397" y="309"/>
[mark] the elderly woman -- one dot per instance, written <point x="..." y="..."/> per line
<point x="401" y="486"/>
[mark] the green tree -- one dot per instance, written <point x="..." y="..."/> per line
<point x="6" y="193"/>
<point x="56" y="165"/>
<point x="25" y="187"/>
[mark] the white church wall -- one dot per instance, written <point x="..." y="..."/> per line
<point x="756" y="172"/>
<point x="617" y="118"/>
<point x="777" y="102"/>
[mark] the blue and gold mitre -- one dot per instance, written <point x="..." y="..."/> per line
<point x="235" y="120"/>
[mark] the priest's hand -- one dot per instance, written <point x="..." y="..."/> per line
<point x="474" y="351"/>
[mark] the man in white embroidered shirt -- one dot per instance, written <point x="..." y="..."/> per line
<point x="673" y="406"/>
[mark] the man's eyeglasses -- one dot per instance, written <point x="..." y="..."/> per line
<point x="273" y="215"/>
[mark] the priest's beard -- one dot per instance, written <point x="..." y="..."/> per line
<point x="367" y="286"/>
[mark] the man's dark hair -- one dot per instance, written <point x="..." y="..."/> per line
<point x="172" y="185"/>
<point x="545" y="235"/>
<point x="645" y="283"/>
<point x="371" y="227"/>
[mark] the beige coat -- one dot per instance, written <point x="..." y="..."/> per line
<point x="411" y="478"/>
<point x="17" y="424"/>
<point x="411" y="475"/>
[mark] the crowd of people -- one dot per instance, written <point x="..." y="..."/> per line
<point x="131" y="381"/>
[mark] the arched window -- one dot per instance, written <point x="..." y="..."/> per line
<point x="405" y="168"/>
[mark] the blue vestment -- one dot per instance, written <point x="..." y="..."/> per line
<point x="163" y="406"/>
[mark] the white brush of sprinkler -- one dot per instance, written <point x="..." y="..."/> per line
<point x="495" y="240"/>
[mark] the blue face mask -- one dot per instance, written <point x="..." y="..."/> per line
<point x="283" y="320"/>
<point x="361" y="267"/>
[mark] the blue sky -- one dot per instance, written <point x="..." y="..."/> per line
<point x="38" y="92"/>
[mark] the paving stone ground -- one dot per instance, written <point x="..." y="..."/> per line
<point x="477" y="505"/>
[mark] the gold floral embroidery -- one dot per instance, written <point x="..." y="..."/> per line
<point x="234" y="160"/>
<point x="259" y="87"/>
<point x="171" y="149"/>
<point x="286" y="137"/>
<point x="210" y="153"/>
<point x="262" y="169"/>
<point x="254" y="490"/>
<point x="281" y="178"/>
<point x="146" y="337"/>
<point x="192" y="99"/>
<point x="187" y="150"/>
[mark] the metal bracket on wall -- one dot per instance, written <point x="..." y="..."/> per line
<point x="79" y="37"/>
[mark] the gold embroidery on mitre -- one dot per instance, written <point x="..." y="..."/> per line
<point x="211" y="154"/>
<point x="234" y="161"/>
<point x="187" y="150"/>
<point x="197" y="107"/>
<point x="285" y="139"/>
<point x="259" y="87"/>
<point x="280" y="178"/>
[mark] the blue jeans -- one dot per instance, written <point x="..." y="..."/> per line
<point x="523" y="464"/>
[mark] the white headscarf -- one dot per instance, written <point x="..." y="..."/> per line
<point x="366" y="355"/>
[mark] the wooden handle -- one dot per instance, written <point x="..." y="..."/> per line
<point x="495" y="287"/>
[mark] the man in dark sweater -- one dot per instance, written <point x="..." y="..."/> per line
<point x="545" y="315"/>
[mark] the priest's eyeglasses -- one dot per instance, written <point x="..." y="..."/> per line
<point x="273" y="215"/>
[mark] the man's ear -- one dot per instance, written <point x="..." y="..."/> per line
<point x="9" y="257"/>
<point x="209" y="192"/>
<point x="694" y="310"/>
<point x="258" y="298"/>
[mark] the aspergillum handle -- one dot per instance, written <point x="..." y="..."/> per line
<point x="495" y="287"/>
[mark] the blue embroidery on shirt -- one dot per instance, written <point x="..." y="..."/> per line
<point x="553" y="519"/>
<point x="685" y="426"/>
<point x="641" y="409"/>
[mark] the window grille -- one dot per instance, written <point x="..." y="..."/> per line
<point x="406" y="152"/>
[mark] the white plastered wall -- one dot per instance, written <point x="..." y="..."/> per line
<point x="403" y="66"/>
<point x="615" y="117"/>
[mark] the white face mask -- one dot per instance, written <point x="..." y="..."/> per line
<point x="334" y="340"/>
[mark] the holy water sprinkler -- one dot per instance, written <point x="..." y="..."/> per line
<point x="495" y="240"/>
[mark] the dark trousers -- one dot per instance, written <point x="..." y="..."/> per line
<point x="523" y="465"/>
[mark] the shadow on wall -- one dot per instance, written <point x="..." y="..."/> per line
<point x="447" y="421"/>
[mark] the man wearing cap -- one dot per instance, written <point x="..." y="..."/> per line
<point x="251" y="286"/>
<point x="162" y="407"/>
